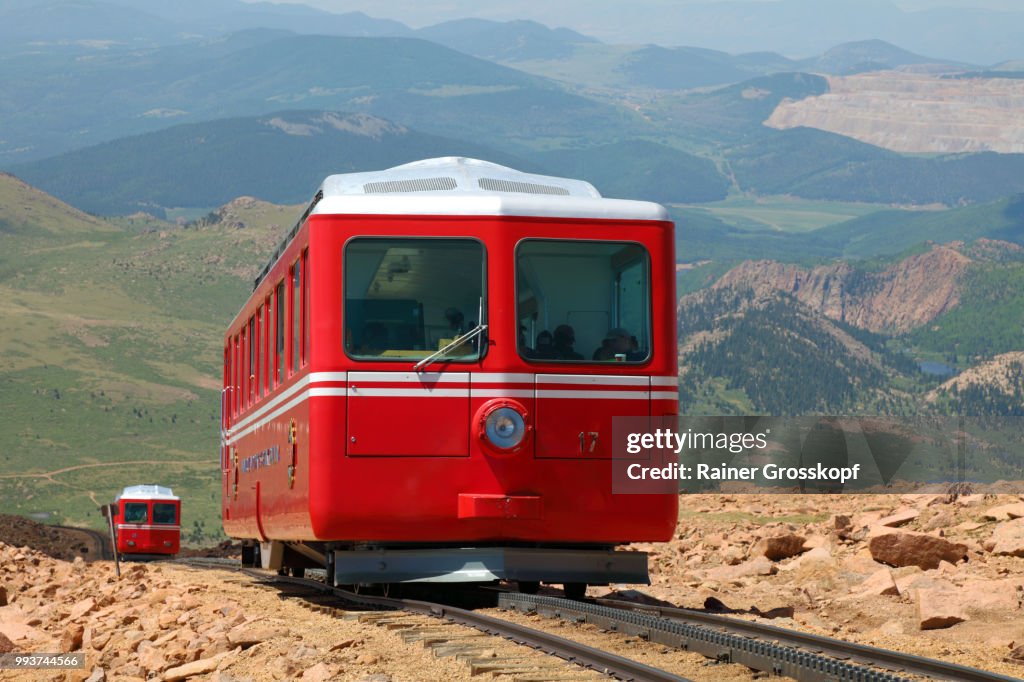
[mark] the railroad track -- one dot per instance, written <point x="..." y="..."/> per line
<point x="442" y="627"/>
<point x="776" y="651"/>
<point x="761" y="647"/>
<point x="100" y="542"/>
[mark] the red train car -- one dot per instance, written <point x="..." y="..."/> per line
<point x="147" y="522"/>
<point x="422" y="385"/>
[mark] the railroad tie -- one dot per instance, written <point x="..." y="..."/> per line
<point x="482" y="653"/>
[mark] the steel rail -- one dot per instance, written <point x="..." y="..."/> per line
<point x="909" y="663"/>
<point x="102" y="541"/>
<point x="801" y="656"/>
<point x="573" y="652"/>
<point x="566" y="649"/>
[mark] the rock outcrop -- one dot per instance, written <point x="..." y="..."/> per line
<point x="915" y="112"/>
<point x="897" y="299"/>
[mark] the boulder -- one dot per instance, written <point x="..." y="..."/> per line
<point x="203" y="666"/>
<point x="732" y="555"/>
<point x="321" y="672"/>
<point x="759" y="565"/>
<point x="81" y="608"/>
<point x="879" y="583"/>
<point x="938" y="608"/>
<point x="914" y="549"/>
<point x="990" y="595"/>
<point x="151" y="657"/>
<point x="943" y="519"/>
<point x="1005" y="512"/>
<point x="72" y="638"/>
<point x="779" y="546"/>
<point x="898" y="518"/>
<point x="247" y="636"/>
<point x="1008" y="538"/>
<point x="818" y="559"/>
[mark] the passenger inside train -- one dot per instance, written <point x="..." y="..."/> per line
<point x="594" y="295"/>
<point x="565" y="338"/>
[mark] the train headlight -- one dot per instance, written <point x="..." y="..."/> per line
<point x="505" y="428"/>
<point x="502" y="425"/>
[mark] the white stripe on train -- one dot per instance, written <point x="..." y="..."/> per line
<point x="261" y="417"/>
<point x="143" y="526"/>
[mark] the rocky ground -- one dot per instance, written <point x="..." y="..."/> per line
<point x="927" y="574"/>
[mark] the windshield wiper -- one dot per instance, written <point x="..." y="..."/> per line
<point x="472" y="333"/>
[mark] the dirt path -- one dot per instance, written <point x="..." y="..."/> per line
<point x="50" y="474"/>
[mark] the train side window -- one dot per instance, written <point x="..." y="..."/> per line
<point x="305" y="307"/>
<point x="583" y="301"/>
<point x="135" y="512"/>
<point x="296" y="314"/>
<point x="236" y="382"/>
<point x="407" y="298"/>
<point x="279" y="348"/>
<point x="268" y="344"/>
<point x="246" y="356"/>
<point x="257" y="365"/>
<point x="250" y="378"/>
<point x="164" y="512"/>
<point x="225" y="407"/>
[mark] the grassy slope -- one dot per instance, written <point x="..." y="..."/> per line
<point x="110" y="349"/>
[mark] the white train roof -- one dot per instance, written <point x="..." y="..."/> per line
<point x="454" y="185"/>
<point x="147" y="492"/>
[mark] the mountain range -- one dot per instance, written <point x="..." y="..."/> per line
<point x="962" y="31"/>
<point x="56" y="102"/>
<point x="283" y="157"/>
<point x="773" y="338"/>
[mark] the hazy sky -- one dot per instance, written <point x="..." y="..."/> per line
<point x="796" y="28"/>
<point x="417" y="13"/>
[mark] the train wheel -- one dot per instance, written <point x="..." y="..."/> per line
<point x="575" y="591"/>
<point x="529" y="586"/>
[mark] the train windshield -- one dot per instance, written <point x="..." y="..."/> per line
<point x="135" y="512"/>
<point x="164" y="513"/>
<point x="581" y="301"/>
<point x="405" y="299"/>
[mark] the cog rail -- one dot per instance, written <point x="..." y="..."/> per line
<point x="777" y="651"/>
<point x="568" y="650"/>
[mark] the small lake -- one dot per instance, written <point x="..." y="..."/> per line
<point x="939" y="369"/>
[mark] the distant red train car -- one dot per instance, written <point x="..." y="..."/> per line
<point x="421" y="386"/>
<point x="147" y="522"/>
